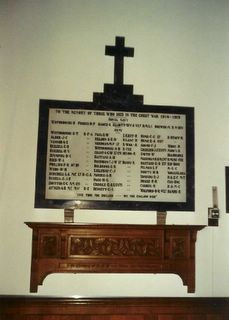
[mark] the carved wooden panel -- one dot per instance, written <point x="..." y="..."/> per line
<point x="49" y="246"/>
<point x="113" y="248"/>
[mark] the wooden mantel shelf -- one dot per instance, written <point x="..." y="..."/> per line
<point x="112" y="248"/>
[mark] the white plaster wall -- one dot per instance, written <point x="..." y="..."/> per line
<point x="54" y="49"/>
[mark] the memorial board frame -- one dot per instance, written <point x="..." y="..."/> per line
<point x="227" y="188"/>
<point x="109" y="106"/>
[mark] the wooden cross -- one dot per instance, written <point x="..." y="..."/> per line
<point x="119" y="51"/>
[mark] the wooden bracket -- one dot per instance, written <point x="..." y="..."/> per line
<point x="112" y="248"/>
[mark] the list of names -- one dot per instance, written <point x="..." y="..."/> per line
<point x="113" y="155"/>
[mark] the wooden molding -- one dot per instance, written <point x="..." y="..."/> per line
<point x="44" y="308"/>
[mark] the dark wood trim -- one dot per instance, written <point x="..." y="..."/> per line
<point x="27" y="307"/>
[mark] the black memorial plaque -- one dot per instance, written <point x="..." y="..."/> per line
<point x="115" y="152"/>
